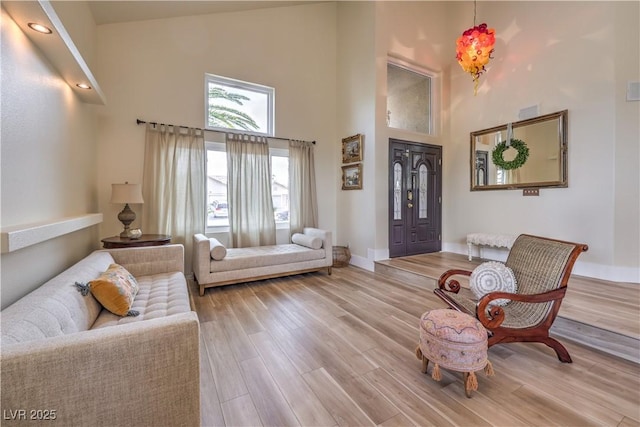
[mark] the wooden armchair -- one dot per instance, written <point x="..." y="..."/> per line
<point x="542" y="268"/>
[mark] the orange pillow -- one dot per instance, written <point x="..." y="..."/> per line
<point x="116" y="289"/>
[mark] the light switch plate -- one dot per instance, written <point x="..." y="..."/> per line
<point x="531" y="192"/>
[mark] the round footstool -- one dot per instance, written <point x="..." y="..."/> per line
<point x="455" y="341"/>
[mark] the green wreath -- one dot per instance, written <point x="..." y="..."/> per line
<point x="521" y="158"/>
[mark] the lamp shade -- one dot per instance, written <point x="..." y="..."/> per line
<point x="126" y="193"/>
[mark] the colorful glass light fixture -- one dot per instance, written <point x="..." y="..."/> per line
<point x="474" y="48"/>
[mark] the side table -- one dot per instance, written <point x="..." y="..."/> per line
<point x="144" y="240"/>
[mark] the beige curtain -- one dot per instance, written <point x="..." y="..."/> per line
<point x="303" y="204"/>
<point x="173" y="184"/>
<point x="251" y="220"/>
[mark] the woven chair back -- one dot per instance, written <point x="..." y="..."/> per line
<point x="538" y="266"/>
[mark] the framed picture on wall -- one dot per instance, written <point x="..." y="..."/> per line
<point x="352" y="149"/>
<point x="352" y="177"/>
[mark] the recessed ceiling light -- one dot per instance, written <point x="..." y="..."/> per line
<point x="39" y="28"/>
<point x="83" y="86"/>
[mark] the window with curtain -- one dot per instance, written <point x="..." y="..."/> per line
<point x="217" y="201"/>
<point x="173" y="184"/>
<point x="249" y="176"/>
<point x="232" y="105"/>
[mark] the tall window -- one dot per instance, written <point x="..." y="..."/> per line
<point x="217" y="206"/>
<point x="280" y="184"/>
<point x="236" y="105"/>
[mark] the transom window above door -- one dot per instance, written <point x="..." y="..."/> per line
<point x="411" y="100"/>
<point x="232" y="104"/>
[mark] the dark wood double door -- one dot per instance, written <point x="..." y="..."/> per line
<point x="415" y="198"/>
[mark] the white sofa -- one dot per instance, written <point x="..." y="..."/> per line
<point x="67" y="361"/>
<point x="261" y="262"/>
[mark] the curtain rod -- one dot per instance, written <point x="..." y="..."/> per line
<point x="140" y="122"/>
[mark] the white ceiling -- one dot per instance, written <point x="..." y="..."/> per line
<point x="108" y="12"/>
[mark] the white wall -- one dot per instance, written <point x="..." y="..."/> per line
<point x="327" y="62"/>
<point x="154" y="70"/>
<point x="558" y="55"/>
<point x="544" y="56"/>
<point x="356" y="114"/>
<point x="414" y="33"/>
<point x="626" y="252"/>
<point x="48" y="162"/>
<point x="369" y="33"/>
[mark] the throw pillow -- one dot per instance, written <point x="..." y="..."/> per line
<point x="115" y="290"/>
<point x="218" y="251"/>
<point x="493" y="276"/>
<point x="307" y="241"/>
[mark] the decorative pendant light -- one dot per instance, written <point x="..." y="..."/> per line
<point x="474" y="48"/>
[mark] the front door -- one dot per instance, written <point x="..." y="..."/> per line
<point x="415" y="198"/>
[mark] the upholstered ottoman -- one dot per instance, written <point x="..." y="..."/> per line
<point x="454" y="341"/>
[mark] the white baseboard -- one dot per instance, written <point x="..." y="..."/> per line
<point x="596" y="271"/>
<point x="607" y="272"/>
<point x="362" y="262"/>
<point x="581" y="268"/>
<point x="378" y="254"/>
<point x="373" y="255"/>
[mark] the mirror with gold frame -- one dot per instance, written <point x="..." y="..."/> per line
<point x="536" y="155"/>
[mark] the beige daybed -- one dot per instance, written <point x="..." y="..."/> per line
<point x="262" y="262"/>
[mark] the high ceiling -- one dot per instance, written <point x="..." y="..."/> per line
<point x="108" y="12"/>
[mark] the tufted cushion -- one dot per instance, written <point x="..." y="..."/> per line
<point x="218" y="251"/>
<point x="55" y="308"/>
<point x="490" y="277"/>
<point x="159" y="295"/>
<point x="307" y="241"/>
<point x="454" y="340"/>
<point x="262" y="256"/>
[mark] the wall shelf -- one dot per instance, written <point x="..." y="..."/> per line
<point x="24" y="235"/>
<point x="57" y="47"/>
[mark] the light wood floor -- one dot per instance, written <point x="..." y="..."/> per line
<point x="612" y="306"/>
<point x="319" y="350"/>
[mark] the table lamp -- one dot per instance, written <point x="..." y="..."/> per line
<point x="126" y="193"/>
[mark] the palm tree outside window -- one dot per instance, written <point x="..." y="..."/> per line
<point x="236" y="105"/>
